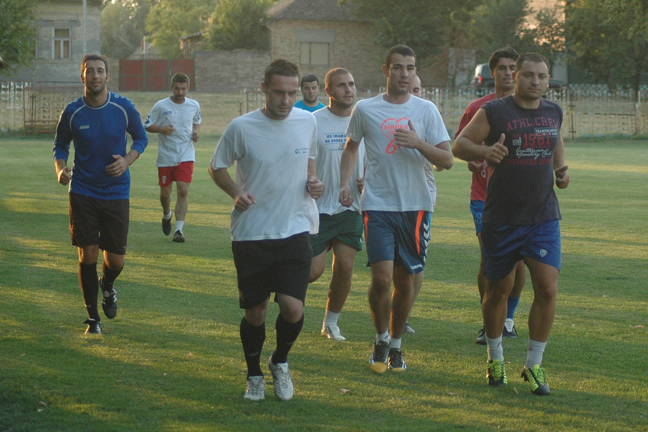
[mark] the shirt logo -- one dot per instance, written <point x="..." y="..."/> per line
<point x="303" y="150"/>
<point x="543" y="253"/>
<point x="84" y="127"/>
<point x="388" y="127"/>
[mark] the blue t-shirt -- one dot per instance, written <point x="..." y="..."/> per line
<point x="98" y="134"/>
<point x="300" y="104"/>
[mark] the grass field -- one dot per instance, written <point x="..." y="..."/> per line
<point x="172" y="360"/>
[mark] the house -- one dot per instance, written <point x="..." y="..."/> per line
<point x="60" y="41"/>
<point x="320" y="35"/>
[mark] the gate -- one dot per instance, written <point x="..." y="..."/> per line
<point x="153" y="74"/>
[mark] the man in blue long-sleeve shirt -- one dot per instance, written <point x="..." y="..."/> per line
<point x="100" y="191"/>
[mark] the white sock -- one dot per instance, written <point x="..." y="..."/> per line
<point x="168" y="216"/>
<point x="495" y="348"/>
<point x="382" y="337"/>
<point x="331" y="318"/>
<point x="534" y="353"/>
<point x="395" y="343"/>
<point x="179" y="225"/>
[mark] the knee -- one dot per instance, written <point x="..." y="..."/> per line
<point x="183" y="192"/>
<point x="293" y="311"/>
<point x="546" y="294"/>
<point x="255" y="316"/>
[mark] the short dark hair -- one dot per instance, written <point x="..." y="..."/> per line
<point x="90" y="57"/>
<point x="403" y="50"/>
<point x="308" y="78"/>
<point x="181" y="78"/>
<point x="280" y="67"/>
<point x="333" y="73"/>
<point x="501" y="53"/>
<point x="534" y="57"/>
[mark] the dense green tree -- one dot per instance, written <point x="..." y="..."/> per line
<point x="240" y="24"/>
<point x="17" y="32"/>
<point x="420" y="24"/>
<point x="497" y="24"/>
<point x="609" y="39"/>
<point x="169" y="20"/>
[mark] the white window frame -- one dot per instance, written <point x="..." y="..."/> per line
<point x="60" y="41"/>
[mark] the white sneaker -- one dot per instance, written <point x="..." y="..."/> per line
<point x="255" y="389"/>
<point x="332" y="331"/>
<point x="283" y="385"/>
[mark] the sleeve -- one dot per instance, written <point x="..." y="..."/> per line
<point x="63" y="137"/>
<point x="436" y="131"/>
<point x="354" y="130"/>
<point x="198" y="117"/>
<point x="136" y="129"/>
<point x="153" y="116"/>
<point x="226" y="152"/>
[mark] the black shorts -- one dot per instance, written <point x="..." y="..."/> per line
<point x="100" y="222"/>
<point x="281" y="266"/>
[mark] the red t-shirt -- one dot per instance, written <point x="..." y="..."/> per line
<point x="480" y="179"/>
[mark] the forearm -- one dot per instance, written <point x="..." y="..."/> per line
<point x="224" y="181"/>
<point x="155" y="129"/>
<point x="348" y="163"/>
<point x="559" y="155"/>
<point x="196" y="128"/>
<point x="312" y="168"/>
<point x="59" y="164"/>
<point x="131" y="156"/>
<point x="440" y="155"/>
<point x="465" y="149"/>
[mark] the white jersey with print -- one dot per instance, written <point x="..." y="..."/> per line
<point x="331" y="138"/>
<point x="271" y="159"/>
<point x="177" y="147"/>
<point x="395" y="176"/>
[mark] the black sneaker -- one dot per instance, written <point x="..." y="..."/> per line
<point x="178" y="237"/>
<point x="109" y="300"/>
<point x="396" y="362"/>
<point x="166" y="226"/>
<point x="94" y="327"/>
<point x="378" y="358"/>
<point x="496" y="374"/>
<point x="537" y="378"/>
<point x="510" y="334"/>
<point x="481" y="336"/>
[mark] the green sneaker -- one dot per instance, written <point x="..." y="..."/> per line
<point x="496" y="373"/>
<point x="537" y="377"/>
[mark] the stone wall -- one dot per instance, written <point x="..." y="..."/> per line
<point x="227" y="71"/>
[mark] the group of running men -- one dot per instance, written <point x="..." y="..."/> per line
<point x="309" y="183"/>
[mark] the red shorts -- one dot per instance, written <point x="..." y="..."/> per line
<point x="182" y="172"/>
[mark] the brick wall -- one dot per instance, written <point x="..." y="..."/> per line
<point x="227" y="71"/>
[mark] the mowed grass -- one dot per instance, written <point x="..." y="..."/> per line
<point x="172" y="359"/>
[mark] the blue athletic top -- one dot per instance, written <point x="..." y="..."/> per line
<point x="302" y="105"/>
<point x="520" y="188"/>
<point x="98" y="134"/>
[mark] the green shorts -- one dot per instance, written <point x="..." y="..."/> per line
<point x="346" y="227"/>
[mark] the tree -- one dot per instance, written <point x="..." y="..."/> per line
<point x="168" y="20"/>
<point x="419" y="24"/>
<point x="240" y="24"/>
<point x="17" y="32"/>
<point x="609" y="39"/>
<point x="122" y="25"/>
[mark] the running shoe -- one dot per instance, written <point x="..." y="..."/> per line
<point x="379" y="356"/>
<point x="537" y="377"/>
<point x="332" y="331"/>
<point x="395" y="361"/>
<point x="109" y="299"/>
<point x="166" y="226"/>
<point x="481" y="336"/>
<point x="496" y="374"/>
<point x="94" y="327"/>
<point x="509" y="329"/>
<point x="178" y="237"/>
<point x="255" y="389"/>
<point x="408" y="329"/>
<point x="283" y="385"/>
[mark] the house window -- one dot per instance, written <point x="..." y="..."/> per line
<point x="314" y="53"/>
<point x="62" y="42"/>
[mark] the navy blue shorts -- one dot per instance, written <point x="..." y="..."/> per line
<point x="504" y="245"/>
<point x="477" y="208"/>
<point x="401" y="237"/>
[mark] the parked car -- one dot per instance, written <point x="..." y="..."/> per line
<point x="484" y="79"/>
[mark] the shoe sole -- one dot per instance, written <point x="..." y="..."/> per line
<point x="330" y="336"/>
<point x="378" y="367"/>
<point x="178" y="240"/>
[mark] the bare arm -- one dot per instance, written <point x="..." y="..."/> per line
<point x="347" y="164"/>
<point x="165" y="130"/>
<point x="439" y="155"/>
<point x="242" y="200"/>
<point x="122" y="163"/>
<point x="195" y="133"/>
<point x="562" y="176"/>
<point x="63" y="172"/>
<point x="468" y="146"/>
<point x="314" y="185"/>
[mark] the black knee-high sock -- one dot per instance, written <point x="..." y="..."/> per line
<point x="89" y="288"/>
<point x="252" y="338"/>
<point x="109" y="275"/>
<point x="286" y="336"/>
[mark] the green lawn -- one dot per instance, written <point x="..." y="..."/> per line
<point x="172" y="359"/>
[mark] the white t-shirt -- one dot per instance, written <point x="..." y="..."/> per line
<point x="395" y="177"/>
<point x="178" y="147"/>
<point x="331" y="138"/>
<point x="271" y="159"/>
